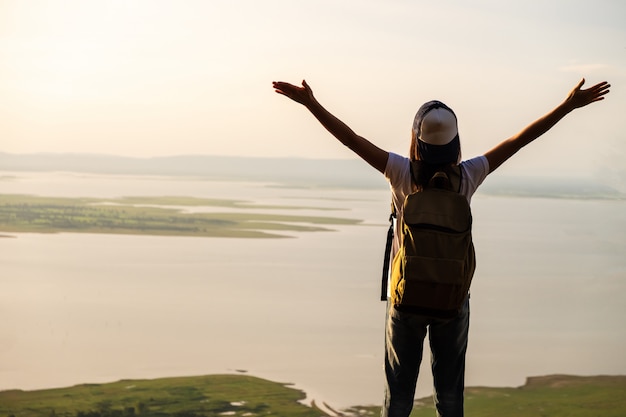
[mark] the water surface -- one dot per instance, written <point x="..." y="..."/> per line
<point x="547" y="296"/>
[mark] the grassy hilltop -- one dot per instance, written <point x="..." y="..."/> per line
<point x="550" y="396"/>
<point x="211" y="395"/>
<point x="242" y="395"/>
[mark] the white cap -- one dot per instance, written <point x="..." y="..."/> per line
<point x="438" y="127"/>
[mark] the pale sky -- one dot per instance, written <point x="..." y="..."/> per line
<point x="153" y="78"/>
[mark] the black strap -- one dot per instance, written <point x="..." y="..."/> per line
<point x="385" y="277"/>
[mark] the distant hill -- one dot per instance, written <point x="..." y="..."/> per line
<point x="295" y="172"/>
<point x="289" y="172"/>
<point x="538" y="187"/>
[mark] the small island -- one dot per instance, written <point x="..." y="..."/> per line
<point x="160" y="216"/>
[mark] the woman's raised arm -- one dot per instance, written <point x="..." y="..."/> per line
<point x="369" y="152"/>
<point x="575" y="99"/>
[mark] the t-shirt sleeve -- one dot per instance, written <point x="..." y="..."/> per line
<point x="475" y="171"/>
<point x="398" y="173"/>
<point x="396" y="169"/>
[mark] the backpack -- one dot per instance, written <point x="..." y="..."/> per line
<point x="433" y="269"/>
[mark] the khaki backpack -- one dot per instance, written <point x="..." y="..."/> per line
<point x="433" y="269"/>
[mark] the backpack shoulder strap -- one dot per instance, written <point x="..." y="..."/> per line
<point x="387" y="259"/>
<point x="456" y="178"/>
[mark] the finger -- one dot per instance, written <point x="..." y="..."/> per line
<point x="603" y="86"/>
<point x="280" y="84"/>
<point x="279" y="88"/>
<point x="580" y="84"/>
<point x="599" y="85"/>
<point x="599" y="92"/>
<point x="306" y="85"/>
<point x="603" y="91"/>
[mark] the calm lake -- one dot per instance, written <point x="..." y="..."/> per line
<point x="548" y="295"/>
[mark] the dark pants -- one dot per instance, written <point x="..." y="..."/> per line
<point x="404" y="344"/>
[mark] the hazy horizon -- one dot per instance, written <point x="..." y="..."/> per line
<point x="292" y="172"/>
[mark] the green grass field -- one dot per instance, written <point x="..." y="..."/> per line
<point x="155" y="216"/>
<point x="247" y="396"/>
<point x="547" y="396"/>
<point x="182" y="397"/>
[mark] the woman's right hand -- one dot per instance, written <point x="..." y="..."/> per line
<point x="302" y="95"/>
<point x="579" y="97"/>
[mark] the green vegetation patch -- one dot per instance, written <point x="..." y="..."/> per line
<point x="242" y="395"/>
<point x="554" y="396"/>
<point x="550" y="396"/>
<point x="151" y="216"/>
<point x="214" y="395"/>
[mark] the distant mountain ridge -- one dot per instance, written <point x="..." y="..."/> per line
<point x="289" y="172"/>
<point x="298" y="172"/>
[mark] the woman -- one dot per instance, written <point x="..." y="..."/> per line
<point x="435" y="143"/>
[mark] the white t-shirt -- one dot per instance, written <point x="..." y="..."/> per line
<point x="398" y="173"/>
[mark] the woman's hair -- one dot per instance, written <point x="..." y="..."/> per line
<point x="422" y="172"/>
